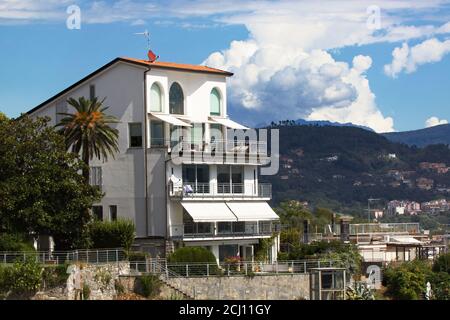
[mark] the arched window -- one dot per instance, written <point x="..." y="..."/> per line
<point x="176" y="99"/>
<point x="155" y="98"/>
<point x="215" y="102"/>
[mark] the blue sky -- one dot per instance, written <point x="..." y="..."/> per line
<point x="291" y="59"/>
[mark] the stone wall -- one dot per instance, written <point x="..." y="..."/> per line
<point x="274" y="287"/>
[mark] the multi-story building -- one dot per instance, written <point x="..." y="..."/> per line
<point x="182" y="174"/>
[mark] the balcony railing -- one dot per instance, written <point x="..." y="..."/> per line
<point x="221" y="190"/>
<point x="241" y="147"/>
<point x="224" y="229"/>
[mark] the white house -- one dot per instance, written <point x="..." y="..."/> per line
<point x="180" y="175"/>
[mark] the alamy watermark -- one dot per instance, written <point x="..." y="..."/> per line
<point x="373" y="21"/>
<point x="73" y="21"/>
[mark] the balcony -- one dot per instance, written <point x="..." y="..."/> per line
<point x="210" y="191"/>
<point x="216" y="151"/>
<point x="214" y="230"/>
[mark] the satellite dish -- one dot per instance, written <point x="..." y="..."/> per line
<point x="151" y="56"/>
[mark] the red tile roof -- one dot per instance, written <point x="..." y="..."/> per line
<point x="178" y="66"/>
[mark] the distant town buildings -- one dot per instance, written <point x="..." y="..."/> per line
<point x="405" y="207"/>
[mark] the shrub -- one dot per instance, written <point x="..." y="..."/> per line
<point x="86" y="292"/>
<point x="442" y="263"/>
<point x="14" y="242"/>
<point x="407" y="281"/>
<point x="440" y="285"/>
<point x="150" y="285"/>
<point x="137" y="256"/>
<point x="54" y="276"/>
<point x="21" y="279"/>
<point x="112" y="234"/>
<point x="193" y="255"/>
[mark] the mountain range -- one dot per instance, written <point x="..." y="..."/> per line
<point x="340" y="167"/>
<point x="423" y="137"/>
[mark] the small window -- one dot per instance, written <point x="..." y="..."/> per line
<point x="155" y="98"/>
<point x="215" y="102"/>
<point x="92" y="92"/>
<point x="97" y="211"/>
<point x="113" y="213"/>
<point x="157" y="133"/>
<point x="135" y="135"/>
<point x="95" y="176"/>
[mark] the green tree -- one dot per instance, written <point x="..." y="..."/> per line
<point x="88" y="131"/>
<point x="442" y="263"/>
<point x="407" y="281"/>
<point x="41" y="190"/>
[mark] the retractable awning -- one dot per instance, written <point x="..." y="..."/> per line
<point x="252" y="211"/>
<point x="170" y="119"/>
<point x="208" y="211"/>
<point x="228" y="123"/>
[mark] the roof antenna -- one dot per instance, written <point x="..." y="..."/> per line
<point x="151" y="56"/>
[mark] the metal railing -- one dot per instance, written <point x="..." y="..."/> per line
<point x="99" y="256"/>
<point x="222" y="190"/>
<point x="243" y="268"/>
<point x="224" y="229"/>
<point x="410" y="228"/>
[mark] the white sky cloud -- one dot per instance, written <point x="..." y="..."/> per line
<point x="284" y="67"/>
<point x="407" y="59"/>
<point x="435" y="121"/>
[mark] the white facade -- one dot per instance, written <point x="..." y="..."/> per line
<point x="145" y="184"/>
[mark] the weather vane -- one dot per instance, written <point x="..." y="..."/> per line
<point x="151" y="56"/>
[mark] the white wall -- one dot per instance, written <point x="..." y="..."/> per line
<point x="123" y="177"/>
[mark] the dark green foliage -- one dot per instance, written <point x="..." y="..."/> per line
<point x="137" y="256"/>
<point x="440" y="284"/>
<point x="87" y="131"/>
<point x="21" y="279"/>
<point x="112" y="234"/>
<point x="407" y="281"/>
<point x="15" y="243"/>
<point x="54" y="276"/>
<point x="197" y="258"/>
<point x="191" y="255"/>
<point x="150" y="285"/>
<point x="442" y="263"/>
<point x="262" y="249"/>
<point x="86" y="291"/>
<point x="40" y="187"/>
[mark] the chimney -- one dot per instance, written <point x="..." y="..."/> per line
<point x="345" y="228"/>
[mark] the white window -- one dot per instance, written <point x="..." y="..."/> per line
<point x="215" y="102"/>
<point x="155" y="98"/>
<point x="95" y="177"/>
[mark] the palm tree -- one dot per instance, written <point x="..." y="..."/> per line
<point x="88" y="131"/>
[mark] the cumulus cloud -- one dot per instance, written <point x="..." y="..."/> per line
<point x="280" y="82"/>
<point x="407" y="59"/>
<point x="434" y="121"/>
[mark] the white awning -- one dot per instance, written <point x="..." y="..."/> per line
<point x="208" y="211"/>
<point x="170" y="119"/>
<point x="252" y="211"/>
<point x="228" y="123"/>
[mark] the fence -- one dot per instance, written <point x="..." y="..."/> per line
<point x="60" y="257"/>
<point x="245" y="268"/>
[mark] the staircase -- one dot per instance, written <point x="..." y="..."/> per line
<point x="165" y="274"/>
